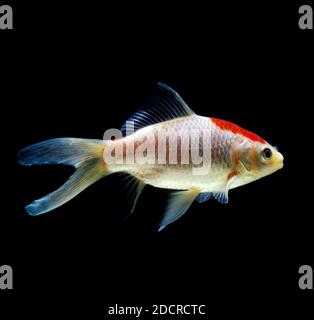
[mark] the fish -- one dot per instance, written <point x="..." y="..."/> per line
<point x="165" y="145"/>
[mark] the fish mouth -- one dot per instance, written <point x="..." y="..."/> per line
<point x="279" y="161"/>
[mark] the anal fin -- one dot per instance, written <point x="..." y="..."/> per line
<point x="134" y="188"/>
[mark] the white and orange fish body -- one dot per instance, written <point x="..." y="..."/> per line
<point x="167" y="146"/>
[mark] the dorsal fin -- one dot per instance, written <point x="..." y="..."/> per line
<point x="164" y="104"/>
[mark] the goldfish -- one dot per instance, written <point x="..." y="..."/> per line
<point x="165" y="145"/>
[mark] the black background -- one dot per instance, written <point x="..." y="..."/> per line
<point x="77" y="70"/>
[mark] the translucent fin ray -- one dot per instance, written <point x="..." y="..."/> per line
<point x="85" y="155"/>
<point x="134" y="187"/>
<point x="165" y="104"/>
<point x="178" y="203"/>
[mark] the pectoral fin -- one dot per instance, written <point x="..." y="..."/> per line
<point x="203" y="197"/>
<point x="178" y="203"/>
<point x="222" y="196"/>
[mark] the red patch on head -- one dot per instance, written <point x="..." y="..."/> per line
<point x="226" y="125"/>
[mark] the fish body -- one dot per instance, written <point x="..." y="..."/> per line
<point x="165" y="145"/>
<point x="179" y="175"/>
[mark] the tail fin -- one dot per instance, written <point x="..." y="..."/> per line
<point x="84" y="154"/>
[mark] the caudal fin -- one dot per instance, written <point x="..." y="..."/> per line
<point x="85" y="155"/>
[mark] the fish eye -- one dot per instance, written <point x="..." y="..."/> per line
<point x="267" y="153"/>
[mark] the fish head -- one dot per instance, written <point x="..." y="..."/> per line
<point x="257" y="160"/>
